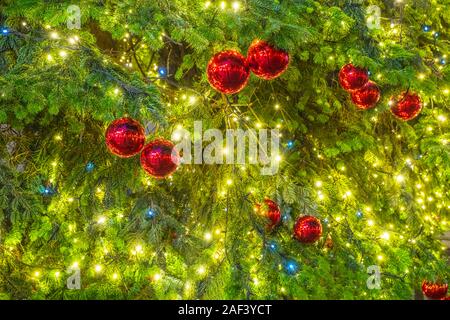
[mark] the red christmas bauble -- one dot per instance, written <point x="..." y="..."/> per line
<point x="352" y="78"/>
<point x="406" y="106"/>
<point x="160" y="158"/>
<point x="266" y="61"/>
<point x="270" y="210"/>
<point x="125" y="137"/>
<point x="307" y="229"/>
<point x="434" y="290"/>
<point x="446" y="298"/>
<point x="228" y="72"/>
<point x="366" y="97"/>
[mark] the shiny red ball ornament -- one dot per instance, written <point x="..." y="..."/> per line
<point x="434" y="290"/>
<point x="271" y="210"/>
<point x="228" y="72"/>
<point x="307" y="229"/>
<point x="366" y="97"/>
<point x="406" y="106"/>
<point x="352" y="78"/>
<point x="160" y="158"/>
<point x="125" y="137"/>
<point x="266" y="61"/>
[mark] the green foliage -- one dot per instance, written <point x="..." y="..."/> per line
<point x="58" y="95"/>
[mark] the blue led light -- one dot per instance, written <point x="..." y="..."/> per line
<point x="291" y="267"/>
<point x="436" y="34"/>
<point x="150" y="213"/>
<point x="90" y="166"/>
<point x="359" y="214"/>
<point x="290" y="144"/>
<point x="162" y="71"/>
<point x="46" y="190"/>
<point x="426" y="28"/>
<point x="5" y="31"/>
<point x="272" y="246"/>
<point x="442" y="61"/>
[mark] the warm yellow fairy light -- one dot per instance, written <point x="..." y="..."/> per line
<point x="75" y="264"/>
<point x="98" y="268"/>
<point x="229" y="182"/>
<point x="258" y="125"/>
<point x="380" y="257"/>
<point x="54" y="35"/>
<point x="347" y="194"/>
<point x="370" y="223"/>
<point x="138" y="248"/>
<point x="385" y="236"/>
<point x="400" y="178"/>
<point x="101" y="220"/>
<point x="421" y="76"/>
<point x="223" y="5"/>
<point x="70" y="199"/>
<point x="73" y="40"/>
<point x="442" y="118"/>
<point x="236" y="6"/>
<point x="318" y="184"/>
<point x="208" y="236"/>
<point x="63" y="54"/>
<point x="49" y="57"/>
<point x="446" y="91"/>
<point x="277" y="106"/>
<point x="57" y="274"/>
<point x="157" y="277"/>
<point x="201" y="270"/>
<point x="115" y="276"/>
<point x="37" y="273"/>
<point x="278" y="158"/>
<point x="207" y="4"/>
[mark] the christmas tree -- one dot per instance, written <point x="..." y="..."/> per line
<point x="345" y="197"/>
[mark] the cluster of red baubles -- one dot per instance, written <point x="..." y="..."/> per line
<point x="366" y="94"/>
<point x="435" y="291"/>
<point x="229" y="71"/>
<point x="307" y="229"/>
<point x="125" y="137"/>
